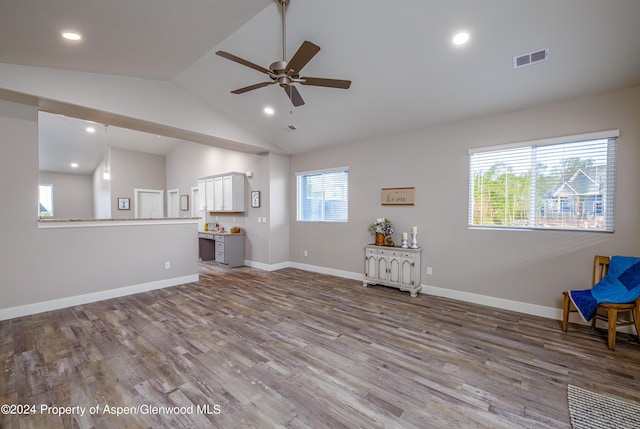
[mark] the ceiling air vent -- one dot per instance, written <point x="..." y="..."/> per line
<point x="292" y="128"/>
<point x="530" y="58"/>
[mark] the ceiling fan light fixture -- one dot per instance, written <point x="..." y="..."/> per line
<point x="287" y="73"/>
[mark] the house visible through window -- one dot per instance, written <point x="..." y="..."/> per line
<point x="46" y="201"/>
<point x="562" y="183"/>
<point x="323" y="196"/>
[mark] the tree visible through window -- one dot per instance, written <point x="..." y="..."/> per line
<point x="550" y="185"/>
<point x="46" y="201"/>
<point x="323" y="196"/>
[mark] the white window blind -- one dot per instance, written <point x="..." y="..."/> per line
<point x="562" y="183"/>
<point x="323" y="196"/>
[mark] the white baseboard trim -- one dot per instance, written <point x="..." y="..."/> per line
<point x="520" y="307"/>
<point x="267" y="267"/>
<point x="505" y="304"/>
<point x="56" y="304"/>
<point x="490" y="301"/>
<point x="328" y="271"/>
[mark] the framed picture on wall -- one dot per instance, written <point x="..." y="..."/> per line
<point x="255" y="198"/>
<point x="124" y="203"/>
<point x="398" y="196"/>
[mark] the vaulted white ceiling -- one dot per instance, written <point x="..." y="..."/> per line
<point x="406" y="73"/>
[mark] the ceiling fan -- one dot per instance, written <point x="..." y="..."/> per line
<point x="284" y="73"/>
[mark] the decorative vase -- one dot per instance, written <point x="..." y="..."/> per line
<point x="389" y="241"/>
<point x="379" y="239"/>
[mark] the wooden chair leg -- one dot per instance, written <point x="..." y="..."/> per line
<point x="565" y="312"/>
<point x="636" y="319"/>
<point x="612" y="314"/>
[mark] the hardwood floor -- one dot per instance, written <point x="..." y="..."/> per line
<point x="292" y="349"/>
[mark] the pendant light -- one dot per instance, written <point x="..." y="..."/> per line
<point x="107" y="170"/>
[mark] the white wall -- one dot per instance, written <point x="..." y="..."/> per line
<point x="72" y="194"/>
<point x="524" y="266"/>
<point x="131" y="170"/>
<point x="101" y="193"/>
<point x="45" y="265"/>
<point x="189" y="161"/>
<point x="277" y="202"/>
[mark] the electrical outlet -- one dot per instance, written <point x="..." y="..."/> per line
<point x="306" y="253"/>
<point x="167" y="265"/>
<point x="429" y="271"/>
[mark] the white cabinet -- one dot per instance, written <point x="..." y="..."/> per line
<point x="205" y="194"/>
<point x="218" y="203"/>
<point x="208" y="194"/>
<point x="223" y="192"/>
<point x="227" y="193"/>
<point x="226" y="249"/>
<point x="393" y="266"/>
<point x="202" y="195"/>
<point x="229" y="249"/>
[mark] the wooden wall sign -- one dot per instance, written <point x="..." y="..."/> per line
<point x="398" y="196"/>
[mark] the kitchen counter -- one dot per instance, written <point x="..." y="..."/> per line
<point x="219" y="233"/>
<point x="110" y="222"/>
<point x="225" y="248"/>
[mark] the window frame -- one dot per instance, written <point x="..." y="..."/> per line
<point x="51" y="192"/>
<point x="609" y="184"/>
<point x="299" y="194"/>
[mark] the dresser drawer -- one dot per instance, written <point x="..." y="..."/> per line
<point x="219" y="246"/>
<point x="220" y="258"/>
<point x="205" y="235"/>
<point x="219" y="238"/>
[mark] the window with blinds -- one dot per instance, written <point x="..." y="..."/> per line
<point x="565" y="183"/>
<point x="323" y="196"/>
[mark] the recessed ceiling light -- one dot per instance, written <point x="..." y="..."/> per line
<point x="269" y="111"/>
<point x="70" y="35"/>
<point x="460" y="38"/>
<point x="90" y="130"/>
<point x="74" y="165"/>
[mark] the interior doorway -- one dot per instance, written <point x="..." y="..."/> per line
<point x="148" y="203"/>
<point x="173" y="203"/>
<point x="195" y="195"/>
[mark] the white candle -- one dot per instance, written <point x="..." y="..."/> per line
<point x="414" y="230"/>
<point x="404" y="235"/>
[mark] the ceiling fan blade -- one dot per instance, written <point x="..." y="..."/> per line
<point x="242" y="61"/>
<point x="294" y="95"/>
<point x="303" y="55"/>
<point x="319" y="81"/>
<point x="251" y="87"/>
